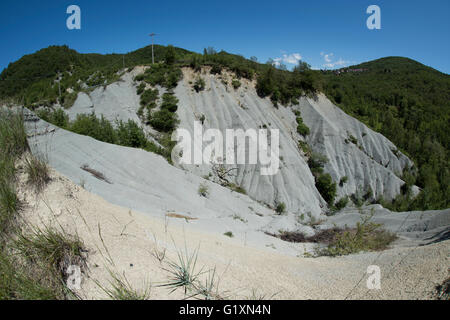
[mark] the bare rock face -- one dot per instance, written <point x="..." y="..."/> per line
<point x="223" y="108"/>
<point x="368" y="159"/>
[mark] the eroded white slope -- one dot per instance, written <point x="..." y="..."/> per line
<point x="227" y="108"/>
<point x="146" y="182"/>
<point x="373" y="163"/>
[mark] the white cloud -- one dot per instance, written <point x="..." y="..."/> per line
<point x="329" y="63"/>
<point x="292" y="58"/>
<point x="338" y="63"/>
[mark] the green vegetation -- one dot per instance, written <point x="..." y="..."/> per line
<point x="163" y="120"/>
<point x="326" y="187"/>
<point x="280" y="208"/>
<point x="32" y="265"/>
<point x="324" y="183"/>
<point x="229" y="234"/>
<point x="409" y="103"/>
<point x="341" y="203"/>
<point x="37" y="171"/>
<point x="367" y="236"/>
<point x="343" y="181"/>
<point x="148" y="97"/>
<point x="286" y="87"/>
<point x="301" y="127"/>
<point x="203" y="190"/>
<point x="127" y="134"/>
<point x="183" y="272"/>
<point x="121" y="289"/>
<point x="162" y="74"/>
<point x="235" y="83"/>
<point x="237" y="188"/>
<point x="199" y="84"/>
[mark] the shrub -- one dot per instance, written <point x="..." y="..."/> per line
<point x="57" y="117"/>
<point x="229" y="234"/>
<point x="203" y="190"/>
<point x="130" y="134"/>
<point x="237" y="188"/>
<point x="235" y="83"/>
<point x="163" y="120"/>
<point x="69" y="99"/>
<point x="149" y="97"/>
<point x="169" y="102"/>
<point x="301" y="127"/>
<point x="199" y="84"/>
<point x="326" y="187"/>
<point x="280" y="208"/>
<point x="367" y="236"/>
<point x="216" y="69"/>
<point x="316" y="162"/>
<point x="89" y="125"/>
<point x="343" y="181"/>
<point x="341" y="203"/>
<point x="164" y="75"/>
<point x="140" y="89"/>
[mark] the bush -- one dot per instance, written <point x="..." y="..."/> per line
<point x="280" y="208"/>
<point x="163" y="120"/>
<point x="169" y="102"/>
<point x="341" y="203"/>
<point x="149" y="97"/>
<point x="69" y="99"/>
<point x="235" y="83"/>
<point x="203" y="190"/>
<point x="343" y="181"/>
<point x="326" y="187"/>
<point x="199" y="85"/>
<point x="89" y="125"/>
<point x="316" y="162"/>
<point x="367" y="236"/>
<point x="58" y="117"/>
<point x="164" y="75"/>
<point x="216" y="69"/>
<point x="301" y="127"/>
<point x="130" y="134"/>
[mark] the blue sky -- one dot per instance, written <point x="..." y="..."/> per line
<point x="326" y="33"/>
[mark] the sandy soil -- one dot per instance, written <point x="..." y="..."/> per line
<point x="125" y="242"/>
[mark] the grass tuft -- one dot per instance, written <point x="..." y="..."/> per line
<point x="51" y="250"/>
<point x="183" y="272"/>
<point x="37" y="171"/>
<point x="121" y="289"/>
